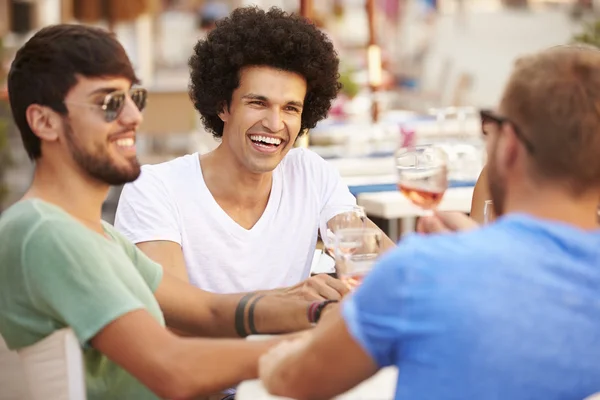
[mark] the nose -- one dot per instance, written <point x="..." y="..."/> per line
<point x="273" y="120"/>
<point x="130" y="115"/>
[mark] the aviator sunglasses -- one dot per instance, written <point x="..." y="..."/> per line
<point x="113" y="102"/>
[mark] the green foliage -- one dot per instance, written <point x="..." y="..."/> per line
<point x="590" y="34"/>
<point x="349" y="87"/>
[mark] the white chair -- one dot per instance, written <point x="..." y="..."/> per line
<point x="54" y="367"/>
<point x="13" y="384"/>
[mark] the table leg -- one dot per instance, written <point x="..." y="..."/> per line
<point x="393" y="229"/>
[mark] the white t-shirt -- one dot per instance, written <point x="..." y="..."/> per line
<point x="171" y="201"/>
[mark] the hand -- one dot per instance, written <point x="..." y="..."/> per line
<point x="442" y="222"/>
<point x="319" y="287"/>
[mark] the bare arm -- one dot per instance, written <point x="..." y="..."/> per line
<point x="480" y="195"/>
<point x="170" y="256"/>
<point x="202" y="313"/>
<point x="167" y="254"/>
<point x="174" y="367"/>
<point x="330" y="359"/>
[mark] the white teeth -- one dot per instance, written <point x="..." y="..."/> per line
<point x="266" y="139"/>
<point x="127" y="142"/>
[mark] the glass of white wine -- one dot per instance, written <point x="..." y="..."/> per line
<point x="336" y="218"/>
<point x="422" y="175"/>
<point x="356" y="250"/>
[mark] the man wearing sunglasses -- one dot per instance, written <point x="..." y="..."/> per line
<point x="508" y="311"/>
<point x="246" y="216"/>
<point x="72" y="99"/>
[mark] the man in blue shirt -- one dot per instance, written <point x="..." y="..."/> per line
<point x="510" y="310"/>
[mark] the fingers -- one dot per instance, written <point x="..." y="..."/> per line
<point x="443" y="222"/>
<point x="328" y="287"/>
<point x="456" y="221"/>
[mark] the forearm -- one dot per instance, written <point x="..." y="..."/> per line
<point x="204" y="366"/>
<point x="328" y="358"/>
<point x="215" y="315"/>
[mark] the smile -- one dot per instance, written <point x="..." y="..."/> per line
<point x="265" y="144"/>
<point x="265" y="140"/>
<point x="125" y="142"/>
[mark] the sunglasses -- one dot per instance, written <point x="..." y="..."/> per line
<point x="114" y="102"/>
<point x="489" y="117"/>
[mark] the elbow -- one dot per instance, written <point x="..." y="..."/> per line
<point x="175" y="378"/>
<point x="178" y="385"/>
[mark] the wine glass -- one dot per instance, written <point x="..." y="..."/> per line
<point x="422" y="175"/>
<point x="356" y="250"/>
<point x="336" y="218"/>
<point x="488" y="212"/>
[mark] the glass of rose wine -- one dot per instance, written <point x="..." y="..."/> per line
<point x="422" y="175"/>
<point x="336" y="218"/>
<point x="356" y="250"/>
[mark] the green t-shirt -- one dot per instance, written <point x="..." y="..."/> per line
<point x="56" y="273"/>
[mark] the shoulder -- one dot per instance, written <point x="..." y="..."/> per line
<point x="28" y="217"/>
<point x="119" y="238"/>
<point x="156" y="178"/>
<point x="453" y="252"/>
<point x="172" y="167"/>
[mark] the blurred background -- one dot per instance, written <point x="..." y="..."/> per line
<point x="413" y="70"/>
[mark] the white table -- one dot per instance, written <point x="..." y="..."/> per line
<point x="381" y="386"/>
<point x="394" y="206"/>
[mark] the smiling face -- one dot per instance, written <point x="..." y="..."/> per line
<point x="105" y="151"/>
<point x="264" y="117"/>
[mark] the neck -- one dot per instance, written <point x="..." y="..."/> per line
<point x="80" y="196"/>
<point x="555" y="203"/>
<point x="227" y="178"/>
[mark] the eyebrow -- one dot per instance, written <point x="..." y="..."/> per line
<point x="104" y="90"/>
<point x="252" y="96"/>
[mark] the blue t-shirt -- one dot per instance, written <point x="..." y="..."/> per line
<point x="509" y="311"/>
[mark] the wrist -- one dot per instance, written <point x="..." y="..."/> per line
<point x="315" y="310"/>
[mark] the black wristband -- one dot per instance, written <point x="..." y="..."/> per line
<point x="239" y="315"/>
<point x="320" y="308"/>
<point x="251" y="325"/>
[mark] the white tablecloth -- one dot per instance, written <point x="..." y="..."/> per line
<point x="394" y="205"/>
<point x="379" y="387"/>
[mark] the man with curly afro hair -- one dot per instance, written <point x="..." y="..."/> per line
<point x="245" y="216"/>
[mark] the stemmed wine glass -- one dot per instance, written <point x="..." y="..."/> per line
<point x="488" y="212"/>
<point x="422" y="175"/>
<point x="356" y="250"/>
<point x="335" y="218"/>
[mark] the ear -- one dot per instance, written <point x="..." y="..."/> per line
<point x="224" y="113"/>
<point x="509" y="150"/>
<point x="44" y="122"/>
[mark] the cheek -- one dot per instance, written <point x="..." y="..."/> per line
<point x="293" y="125"/>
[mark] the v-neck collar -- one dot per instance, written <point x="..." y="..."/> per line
<point x="232" y="226"/>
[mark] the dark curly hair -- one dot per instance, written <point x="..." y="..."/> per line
<point x="251" y="36"/>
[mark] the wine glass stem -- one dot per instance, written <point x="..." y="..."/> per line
<point x="427" y="212"/>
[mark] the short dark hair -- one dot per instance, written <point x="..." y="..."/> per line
<point x="254" y="37"/>
<point x="554" y="97"/>
<point x="45" y="69"/>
